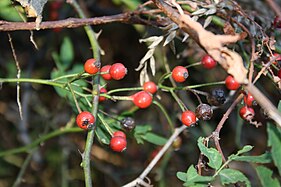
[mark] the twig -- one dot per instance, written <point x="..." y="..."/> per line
<point x="127" y="18"/>
<point x="147" y="170"/>
<point x="265" y="103"/>
<point x="23" y="169"/>
<point x="40" y="140"/>
<point x="213" y="44"/>
<point x="86" y="156"/>
<point x="18" y="74"/>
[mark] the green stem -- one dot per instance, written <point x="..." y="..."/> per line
<point x="74" y="98"/>
<point x="165" y="114"/>
<point x="23" y="169"/>
<point x="124" y="90"/>
<point x="72" y="75"/>
<point x="110" y="131"/>
<point x="91" y="132"/>
<point x="30" y="80"/>
<point x="39" y="141"/>
<point x="181" y="105"/>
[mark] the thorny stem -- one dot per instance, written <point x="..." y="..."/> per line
<point x="150" y="166"/>
<point x="91" y="132"/>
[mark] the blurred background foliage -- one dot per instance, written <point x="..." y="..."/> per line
<point x="56" y="162"/>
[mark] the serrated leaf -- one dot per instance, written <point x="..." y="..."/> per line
<point x="264" y="158"/>
<point x="265" y="176"/>
<point x="199" y="11"/>
<point x="152" y="65"/>
<point x="207" y="21"/>
<point x="170" y="37"/>
<point x="215" y="158"/>
<point x="232" y="176"/>
<point x="154" y="138"/>
<point x="66" y="52"/>
<point x="192" y="177"/>
<point x="274" y="141"/>
<point x="147" y="56"/>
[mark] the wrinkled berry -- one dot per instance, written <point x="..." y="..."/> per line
<point x="204" y="112"/>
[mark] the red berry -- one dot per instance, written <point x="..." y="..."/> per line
<point x="118" y="143"/>
<point x="102" y="98"/>
<point x="188" y="118"/>
<point x="231" y="84"/>
<point x="119" y="133"/>
<point x="208" y="62"/>
<point x="279" y="74"/>
<point x="85" y="120"/>
<point x="142" y="99"/>
<point x="277" y="22"/>
<point x="118" y="71"/>
<point x="91" y="66"/>
<point x="249" y="100"/>
<point x="246" y="113"/>
<point x="105" y="72"/>
<point x="179" y="73"/>
<point x="150" y="87"/>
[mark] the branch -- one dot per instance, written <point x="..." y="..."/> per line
<point x="213" y="44"/>
<point x="128" y="18"/>
<point x="140" y="179"/>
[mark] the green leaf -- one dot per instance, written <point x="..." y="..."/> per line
<point x="265" y="176"/>
<point x="245" y="149"/>
<point x="264" y="158"/>
<point x="102" y="134"/>
<point x="142" y="129"/>
<point x="231" y="176"/>
<point x="182" y="176"/>
<point x="8" y="12"/>
<point x="192" y="177"/>
<point x="215" y="158"/>
<point x="154" y="138"/>
<point x="274" y="140"/>
<point x="143" y="132"/>
<point x="66" y="53"/>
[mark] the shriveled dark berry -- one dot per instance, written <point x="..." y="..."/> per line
<point x="128" y="123"/>
<point x="204" y="112"/>
<point x="217" y="97"/>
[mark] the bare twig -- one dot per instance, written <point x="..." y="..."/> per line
<point x="265" y="103"/>
<point x="147" y="170"/>
<point x="213" y="44"/>
<point x="18" y="74"/>
<point x="128" y="18"/>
